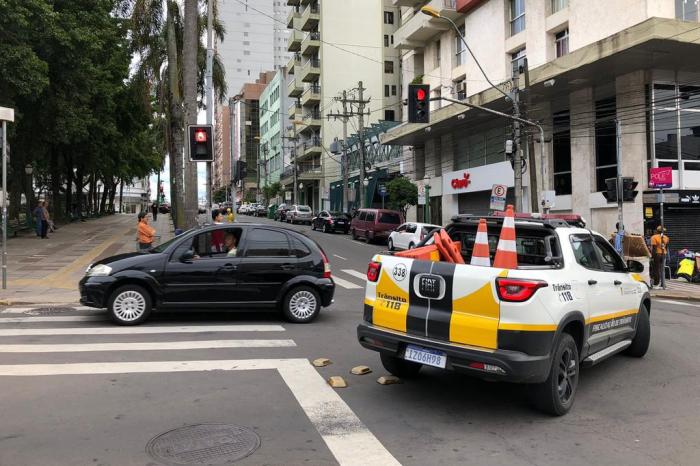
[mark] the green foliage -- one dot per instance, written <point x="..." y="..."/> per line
<point x="272" y="190"/>
<point x="402" y="194"/>
<point x="418" y="79"/>
<point x="219" y="195"/>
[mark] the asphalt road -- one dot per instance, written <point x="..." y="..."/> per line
<point x="83" y="405"/>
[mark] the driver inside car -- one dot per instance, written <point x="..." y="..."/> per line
<point x="230" y="244"/>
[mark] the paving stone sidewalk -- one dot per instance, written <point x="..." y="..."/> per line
<point x="47" y="271"/>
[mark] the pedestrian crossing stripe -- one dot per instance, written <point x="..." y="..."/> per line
<point x="15" y="332"/>
<point x="346" y="284"/>
<point x="356" y="274"/>
<point x="143" y="346"/>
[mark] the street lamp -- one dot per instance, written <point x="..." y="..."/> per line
<point x="28" y="169"/>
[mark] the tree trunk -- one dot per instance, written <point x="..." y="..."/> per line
<point x="189" y="86"/>
<point x="175" y="146"/>
<point x="79" y="193"/>
<point x="69" y="187"/>
<point x="121" y="197"/>
<point x="105" y="193"/>
<point x="55" y="183"/>
<point x="112" y="194"/>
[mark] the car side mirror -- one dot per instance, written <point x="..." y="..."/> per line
<point x="187" y="256"/>
<point x="635" y="266"/>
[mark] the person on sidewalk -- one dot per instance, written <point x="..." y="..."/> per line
<point x="154" y="211"/>
<point x="145" y="232"/>
<point x="44" y="219"/>
<point x="659" y="245"/>
<point x="38" y="218"/>
<point x="50" y="225"/>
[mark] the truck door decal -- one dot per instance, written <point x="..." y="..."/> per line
<point x="391" y="304"/>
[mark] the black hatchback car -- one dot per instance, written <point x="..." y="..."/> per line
<point x="217" y="266"/>
<point x="330" y="222"/>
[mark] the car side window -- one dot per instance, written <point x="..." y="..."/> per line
<point x="610" y="259"/>
<point x="363" y="216"/>
<point x="370" y="216"/>
<point x="266" y="243"/>
<point x="411" y="228"/>
<point x="299" y="249"/>
<point x="402" y="228"/>
<point x="585" y="251"/>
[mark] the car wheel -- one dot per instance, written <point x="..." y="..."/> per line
<point x="411" y="246"/>
<point x="345" y="231"/>
<point x="301" y="305"/>
<point x="640" y="342"/>
<point x="129" y="305"/>
<point x="390" y="245"/>
<point x="400" y="367"/>
<point x="556" y="395"/>
<point x="313" y="226"/>
<point x="325" y="228"/>
<point x="354" y="234"/>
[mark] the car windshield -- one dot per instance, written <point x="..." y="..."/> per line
<point x="304" y="208"/>
<point x="163" y="246"/>
<point x="389" y="217"/>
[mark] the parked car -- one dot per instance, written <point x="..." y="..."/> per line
<point x="243" y="208"/>
<point x="408" y="235"/>
<point x="267" y="266"/>
<point x="261" y="211"/>
<point x="331" y="222"/>
<point x="374" y="224"/>
<point x="164" y="208"/>
<point x="282" y="212"/>
<point x="300" y="214"/>
<point x="571" y="302"/>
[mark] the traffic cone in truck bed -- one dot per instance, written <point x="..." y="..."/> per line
<point x="480" y="254"/>
<point x="506" y="253"/>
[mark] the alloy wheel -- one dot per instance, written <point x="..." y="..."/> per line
<point x="129" y="305"/>
<point x="567" y="376"/>
<point x="302" y="305"/>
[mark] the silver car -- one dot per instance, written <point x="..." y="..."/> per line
<point x="300" y="214"/>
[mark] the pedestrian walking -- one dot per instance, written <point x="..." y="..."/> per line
<point x="44" y="219"/>
<point x="145" y="232"/>
<point x="659" y="246"/>
<point x="229" y="215"/>
<point x="49" y="223"/>
<point x="154" y="211"/>
<point x="38" y="217"/>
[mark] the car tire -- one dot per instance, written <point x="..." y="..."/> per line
<point x="564" y="371"/>
<point x="640" y="342"/>
<point x="400" y="367"/>
<point x="354" y="234"/>
<point x="411" y="246"/>
<point x="390" y="245"/>
<point x="345" y="232"/>
<point x="313" y="226"/>
<point x="325" y="228"/>
<point x="301" y="305"/>
<point x="129" y="305"/>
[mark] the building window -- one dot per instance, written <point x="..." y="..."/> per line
<point x="561" y="151"/>
<point x="386" y="90"/>
<point x="389" y="67"/>
<point x="672" y="104"/>
<point x="393" y="90"/>
<point x="392" y="39"/>
<point x="459" y="89"/>
<point x="437" y="53"/>
<point x="558" y="5"/>
<point x="561" y="43"/>
<point x="605" y="142"/>
<point x="517" y="61"/>
<point x="517" y="16"/>
<point x="460" y="50"/>
<point x="388" y="17"/>
<point x="389" y="115"/>
<point x="687" y="10"/>
<point x="386" y="40"/>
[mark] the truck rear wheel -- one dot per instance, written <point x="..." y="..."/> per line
<point x="640" y="342"/>
<point x="400" y="367"/>
<point x="556" y="395"/>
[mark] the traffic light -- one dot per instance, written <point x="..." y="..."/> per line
<point x="200" y="143"/>
<point x="418" y="103"/>
<point x="610" y="192"/>
<point x="628" y="189"/>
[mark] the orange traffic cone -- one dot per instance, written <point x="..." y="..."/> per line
<point x="506" y="253"/>
<point x="480" y="254"/>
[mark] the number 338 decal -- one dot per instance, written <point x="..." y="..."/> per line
<point x="399" y="272"/>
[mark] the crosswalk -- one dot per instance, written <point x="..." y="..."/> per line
<point x="357" y="282"/>
<point x="78" y="343"/>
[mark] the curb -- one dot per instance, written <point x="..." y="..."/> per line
<point x="676" y="297"/>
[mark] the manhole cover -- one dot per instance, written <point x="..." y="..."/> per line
<point x="44" y="311"/>
<point x="203" y="444"/>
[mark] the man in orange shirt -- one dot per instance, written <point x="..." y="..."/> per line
<point x="659" y="246"/>
<point x="145" y="232"/>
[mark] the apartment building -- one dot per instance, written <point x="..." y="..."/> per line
<point x="273" y="119"/>
<point x="335" y="45"/>
<point x="221" y="167"/>
<point x="590" y="64"/>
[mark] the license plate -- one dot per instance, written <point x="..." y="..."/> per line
<point x="425" y="356"/>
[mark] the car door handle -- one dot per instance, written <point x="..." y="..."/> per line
<point x="592" y="282"/>
<point x="286" y="266"/>
<point x="229" y="267"/>
<point x="617" y="282"/>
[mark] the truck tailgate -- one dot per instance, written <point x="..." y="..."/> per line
<point x="439" y="300"/>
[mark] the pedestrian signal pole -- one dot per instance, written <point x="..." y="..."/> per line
<point x="6" y="114"/>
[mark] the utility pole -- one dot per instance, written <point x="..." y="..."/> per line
<point x="618" y="176"/>
<point x="517" y="155"/>
<point x="209" y="91"/>
<point x="534" y="204"/>
<point x="361" y="124"/>
<point x="344" y="165"/>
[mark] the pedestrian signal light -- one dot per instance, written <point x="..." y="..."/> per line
<point x="419" y="103"/>
<point x="628" y="189"/>
<point x="200" y="143"/>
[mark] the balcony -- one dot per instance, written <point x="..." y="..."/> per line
<point x="311" y="70"/>
<point x="310" y="18"/>
<point x="311" y="43"/>
<point x="418" y="29"/>
<point x="295" y="38"/>
<point x="311" y="95"/>
<point x="294" y="88"/>
<point x="312" y="123"/>
<point x="293" y="15"/>
<point x="309" y="148"/>
<point x="293" y="62"/>
<point x="295" y="112"/>
<point x="309" y="170"/>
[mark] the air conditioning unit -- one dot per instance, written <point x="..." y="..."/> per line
<point x="461" y="90"/>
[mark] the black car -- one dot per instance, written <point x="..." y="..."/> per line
<point x="330" y="222"/>
<point x="281" y="215"/>
<point x="217" y="266"/>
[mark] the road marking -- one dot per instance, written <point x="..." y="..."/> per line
<point x="350" y="441"/>
<point x="31" y="320"/>
<point x="145" y="346"/>
<point x="18" y="332"/>
<point x="16" y="310"/>
<point x="345" y="283"/>
<point x="356" y="274"/>
<point x="339" y="257"/>
<point x="679" y="303"/>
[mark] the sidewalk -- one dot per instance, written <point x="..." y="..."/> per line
<point x="678" y="289"/>
<point x="47" y="271"/>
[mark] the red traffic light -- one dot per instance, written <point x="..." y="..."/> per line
<point x="200" y="135"/>
<point x="421" y="94"/>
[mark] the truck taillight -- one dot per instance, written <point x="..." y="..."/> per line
<point x="517" y="290"/>
<point x="373" y="270"/>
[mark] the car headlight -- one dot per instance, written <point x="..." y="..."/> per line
<point x="100" y="270"/>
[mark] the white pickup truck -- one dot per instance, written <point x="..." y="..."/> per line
<point x="571" y="302"/>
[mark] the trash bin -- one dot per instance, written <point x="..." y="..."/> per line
<point x="272" y="212"/>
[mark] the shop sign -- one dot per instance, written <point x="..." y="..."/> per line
<point x="461" y="183"/>
<point x="648" y="212"/>
<point x="477" y="179"/>
<point x="689" y="199"/>
<point x="661" y="178"/>
<point x="655" y="198"/>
